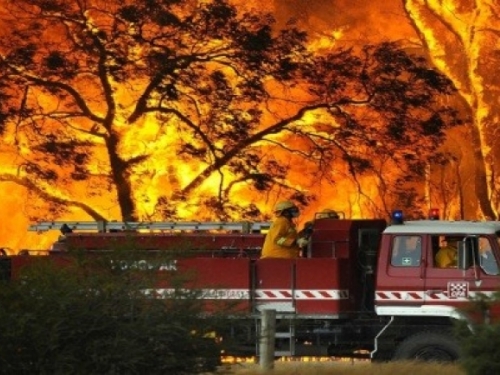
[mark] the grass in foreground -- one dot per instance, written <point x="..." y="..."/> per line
<point x="345" y="368"/>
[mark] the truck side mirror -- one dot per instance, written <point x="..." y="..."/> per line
<point x="464" y="260"/>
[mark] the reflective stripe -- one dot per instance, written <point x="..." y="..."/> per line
<point x="245" y="294"/>
<point x="456" y="291"/>
<point x="233" y="294"/>
<point x="301" y="294"/>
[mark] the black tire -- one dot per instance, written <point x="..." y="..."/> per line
<point x="428" y="346"/>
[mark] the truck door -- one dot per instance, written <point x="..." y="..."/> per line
<point x="275" y="285"/>
<point x="451" y="286"/>
<point x="402" y="284"/>
<point x="445" y="284"/>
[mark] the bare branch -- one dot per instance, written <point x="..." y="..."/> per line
<point x="35" y="188"/>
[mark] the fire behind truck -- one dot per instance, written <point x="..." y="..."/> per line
<point x="356" y="292"/>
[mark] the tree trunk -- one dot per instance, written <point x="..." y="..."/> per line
<point x="481" y="177"/>
<point x="459" y="40"/>
<point x="121" y="179"/>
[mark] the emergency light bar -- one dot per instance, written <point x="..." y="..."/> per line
<point x="434" y="214"/>
<point x="397" y="217"/>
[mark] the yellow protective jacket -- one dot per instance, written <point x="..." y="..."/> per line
<point x="280" y="240"/>
<point x="446" y="257"/>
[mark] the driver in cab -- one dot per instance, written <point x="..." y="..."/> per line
<point x="446" y="257"/>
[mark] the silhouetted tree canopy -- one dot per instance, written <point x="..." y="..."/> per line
<point x="121" y="97"/>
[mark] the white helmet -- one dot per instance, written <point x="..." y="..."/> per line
<point x="327" y="213"/>
<point x="283" y="205"/>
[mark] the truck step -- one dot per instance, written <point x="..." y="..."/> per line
<point x="283" y="335"/>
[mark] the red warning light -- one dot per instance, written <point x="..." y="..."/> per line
<point x="434" y="214"/>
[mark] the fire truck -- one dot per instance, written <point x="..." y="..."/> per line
<point x="362" y="288"/>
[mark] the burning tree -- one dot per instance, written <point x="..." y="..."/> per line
<point x="462" y="37"/>
<point x="162" y="106"/>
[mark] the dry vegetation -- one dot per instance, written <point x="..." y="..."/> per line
<point x="344" y="368"/>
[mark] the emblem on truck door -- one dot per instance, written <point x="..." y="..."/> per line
<point x="458" y="289"/>
<point x="407" y="261"/>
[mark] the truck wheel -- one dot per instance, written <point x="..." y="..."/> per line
<point x="428" y="346"/>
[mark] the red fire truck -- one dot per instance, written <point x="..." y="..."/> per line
<point x="363" y="288"/>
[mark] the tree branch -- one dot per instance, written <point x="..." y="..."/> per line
<point x="34" y="188"/>
<point x="80" y="102"/>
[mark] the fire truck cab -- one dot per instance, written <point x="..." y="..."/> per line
<point x="421" y="297"/>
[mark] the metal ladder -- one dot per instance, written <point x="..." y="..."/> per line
<point x="285" y="333"/>
<point x="106" y="226"/>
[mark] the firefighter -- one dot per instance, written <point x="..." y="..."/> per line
<point x="307" y="231"/>
<point x="327" y="213"/>
<point x="282" y="240"/>
<point x="407" y="252"/>
<point x="446" y="257"/>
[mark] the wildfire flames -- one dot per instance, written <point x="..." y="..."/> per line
<point x="461" y="38"/>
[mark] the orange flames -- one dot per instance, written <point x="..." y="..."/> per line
<point x="462" y="38"/>
<point x="341" y="23"/>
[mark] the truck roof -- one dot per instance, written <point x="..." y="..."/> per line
<point x="445" y="227"/>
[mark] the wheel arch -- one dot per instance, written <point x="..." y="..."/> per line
<point x="440" y="346"/>
<point x="400" y="329"/>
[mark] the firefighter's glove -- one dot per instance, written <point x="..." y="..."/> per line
<point x="307" y="230"/>
<point x="302" y="242"/>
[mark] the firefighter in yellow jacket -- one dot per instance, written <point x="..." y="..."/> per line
<point x="282" y="240"/>
<point x="446" y="257"/>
